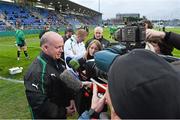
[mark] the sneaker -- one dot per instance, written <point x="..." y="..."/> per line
<point x="18" y="59"/>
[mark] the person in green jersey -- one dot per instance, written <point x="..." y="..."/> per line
<point x="112" y="30"/>
<point x="21" y="43"/>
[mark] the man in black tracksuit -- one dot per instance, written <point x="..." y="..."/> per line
<point x="48" y="97"/>
<point x="46" y="29"/>
<point x="98" y="35"/>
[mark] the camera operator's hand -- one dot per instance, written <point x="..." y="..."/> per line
<point x="150" y="33"/>
<point x="154" y="47"/>
<point x="97" y="103"/>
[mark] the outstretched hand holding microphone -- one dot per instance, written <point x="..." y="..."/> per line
<point x="97" y="103"/>
<point x="72" y="82"/>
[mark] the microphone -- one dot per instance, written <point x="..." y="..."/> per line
<point x="71" y="80"/>
<point x="72" y="63"/>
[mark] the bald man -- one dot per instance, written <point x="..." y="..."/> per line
<point x="47" y="95"/>
<point x="98" y="35"/>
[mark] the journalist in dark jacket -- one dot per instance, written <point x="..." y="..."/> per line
<point x="98" y="35"/>
<point x="46" y="29"/>
<point x="47" y="96"/>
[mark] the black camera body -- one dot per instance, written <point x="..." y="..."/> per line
<point x="132" y="36"/>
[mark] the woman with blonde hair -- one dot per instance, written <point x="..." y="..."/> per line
<point x="84" y="101"/>
<point x="92" y="48"/>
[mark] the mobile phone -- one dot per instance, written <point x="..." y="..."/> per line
<point x="98" y="84"/>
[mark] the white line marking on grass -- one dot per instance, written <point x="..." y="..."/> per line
<point x="11" y="80"/>
<point x="15" y="46"/>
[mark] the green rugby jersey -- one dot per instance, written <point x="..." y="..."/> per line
<point x="20" y="37"/>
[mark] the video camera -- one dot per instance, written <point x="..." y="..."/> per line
<point x="132" y="35"/>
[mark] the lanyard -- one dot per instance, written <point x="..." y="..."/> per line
<point x="73" y="50"/>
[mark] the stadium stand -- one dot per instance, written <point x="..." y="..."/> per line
<point x="71" y="19"/>
<point x="12" y="14"/>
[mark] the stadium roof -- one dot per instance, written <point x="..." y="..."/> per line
<point x="67" y="6"/>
